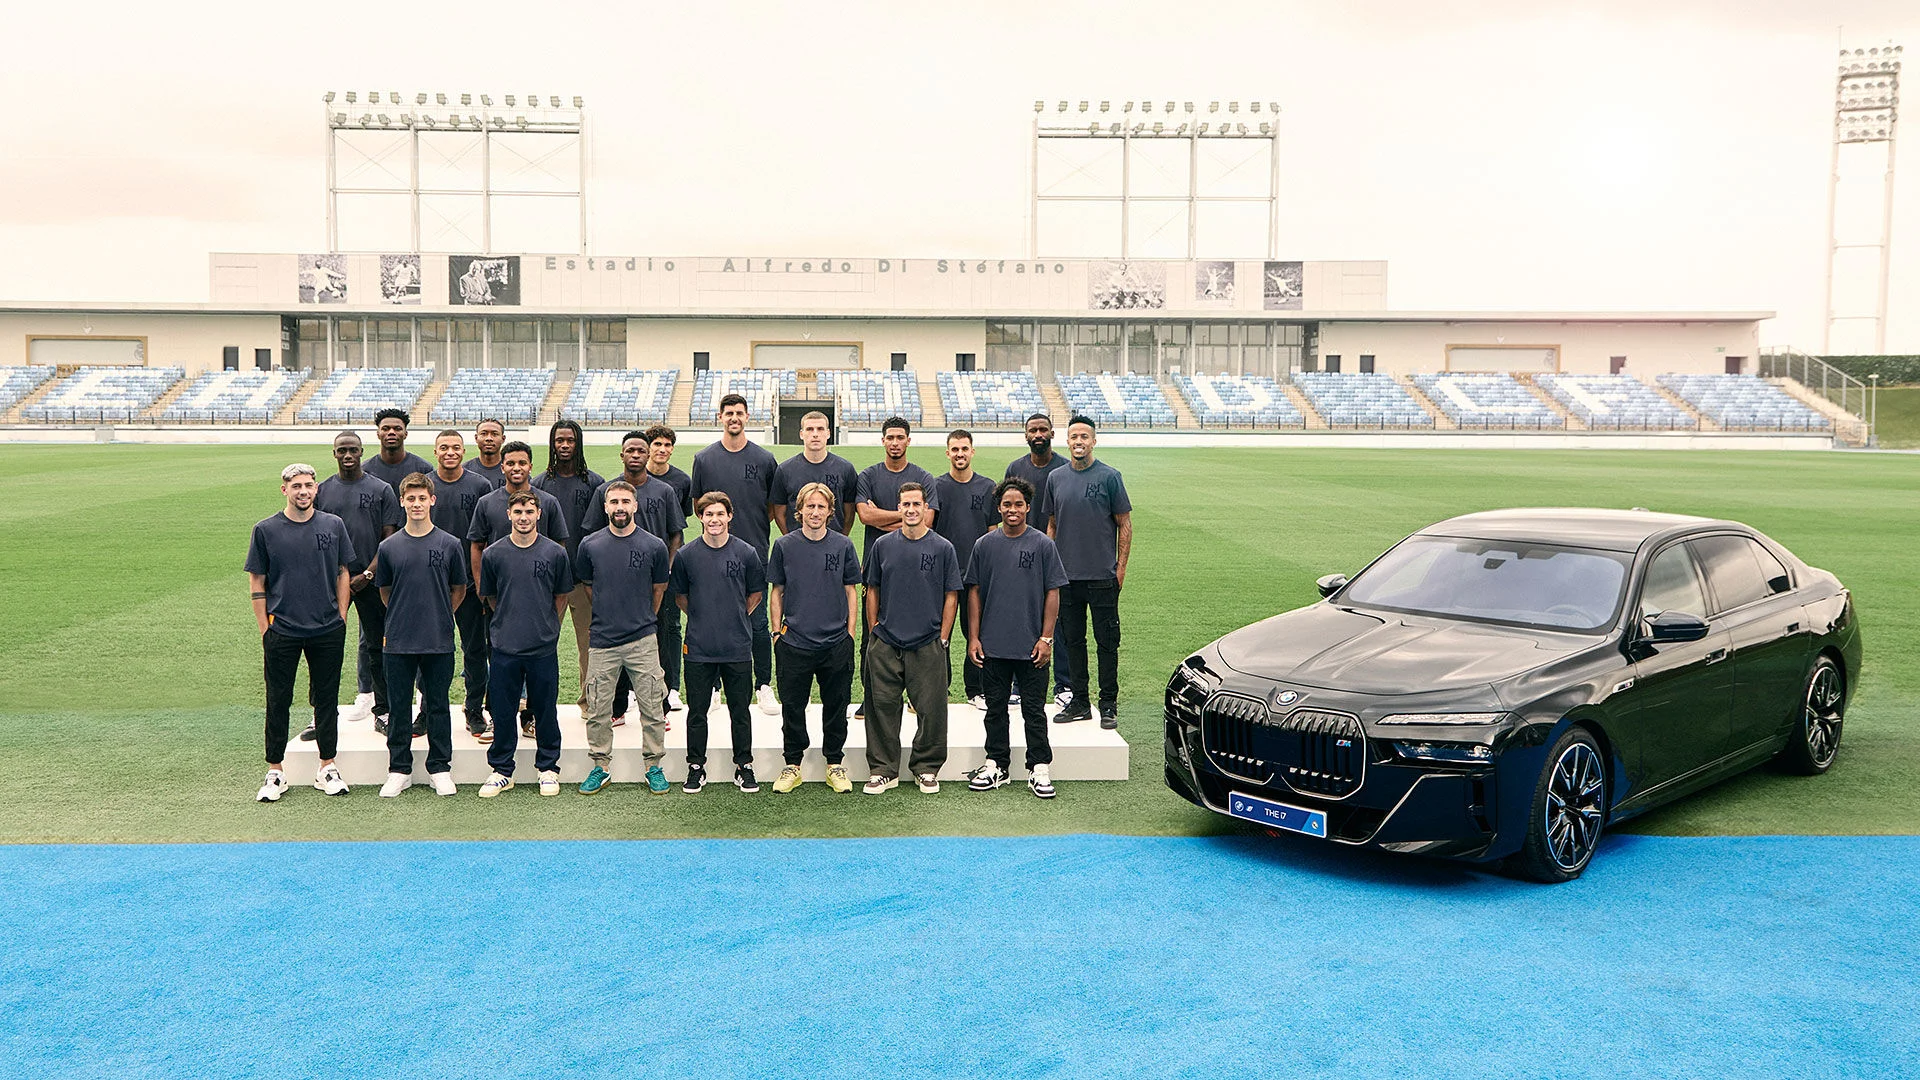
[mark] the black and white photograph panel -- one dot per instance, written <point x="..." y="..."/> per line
<point x="487" y="280"/>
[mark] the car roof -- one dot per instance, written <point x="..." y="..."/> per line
<point x="1612" y="530"/>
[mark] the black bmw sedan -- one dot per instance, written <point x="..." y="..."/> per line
<point x="1505" y="685"/>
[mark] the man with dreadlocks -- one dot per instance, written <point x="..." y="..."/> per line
<point x="572" y="485"/>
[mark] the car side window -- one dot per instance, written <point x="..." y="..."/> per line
<point x="1672" y="584"/>
<point x="1778" y="580"/>
<point x="1732" y="570"/>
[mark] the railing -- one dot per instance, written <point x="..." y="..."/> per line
<point x="1818" y="376"/>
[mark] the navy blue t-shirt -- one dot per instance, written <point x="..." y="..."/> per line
<point x="880" y="486"/>
<point x="491" y="523"/>
<point x="1024" y="468"/>
<point x="966" y="512"/>
<point x="491" y="472"/>
<point x="813" y="577"/>
<point x="420" y="572"/>
<point x="455" y="502"/>
<point x="302" y="561"/>
<point x="623" y="571"/>
<point x="746" y="475"/>
<point x="367" y="505"/>
<point x="797" y="472"/>
<point x="656" y="508"/>
<point x="914" y="578"/>
<point x="1013" y="574"/>
<point x="1082" y="503"/>
<point x="409" y="464"/>
<point x="682" y="484"/>
<point x="575" y="496"/>
<point x="523" y="582"/>
<point x="716" y="583"/>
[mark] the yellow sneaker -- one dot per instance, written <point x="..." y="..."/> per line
<point x="788" y="780"/>
<point x="837" y="779"/>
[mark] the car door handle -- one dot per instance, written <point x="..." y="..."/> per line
<point x="1716" y="656"/>
<point x="1793" y="628"/>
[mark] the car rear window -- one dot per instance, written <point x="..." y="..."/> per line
<point x="1525" y="584"/>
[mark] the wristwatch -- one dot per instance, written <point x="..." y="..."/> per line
<point x="367" y="573"/>
<point x="1048" y="640"/>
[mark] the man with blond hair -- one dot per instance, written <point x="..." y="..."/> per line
<point x="813" y="608"/>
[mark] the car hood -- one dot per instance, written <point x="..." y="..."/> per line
<point x="1339" y="648"/>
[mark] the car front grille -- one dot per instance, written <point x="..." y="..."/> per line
<point x="1312" y="751"/>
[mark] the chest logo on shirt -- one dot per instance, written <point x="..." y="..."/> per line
<point x="541" y="566"/>
<point x="655" y="507"/>
<point x="833" y="562"/>
<point x="369" y="500"/>
<point x="927" y="563"/>
<point x="980" y="502"/>
<point x="467" y="499"/>
<point x="582" y="500"/>
<point x="436" y="559"/>
<point x="736" y="568"/>
<point x="1093" y="491"/>
<point x="325" y="540"/>
<point x="750" y="472"/>
<point x="636" y="560"/>
<point x="1026" y="560"/>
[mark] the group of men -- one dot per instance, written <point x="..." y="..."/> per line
<point x="485" y="550"/>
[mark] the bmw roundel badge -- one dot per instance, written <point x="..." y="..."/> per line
<point x="1287" y="697"/>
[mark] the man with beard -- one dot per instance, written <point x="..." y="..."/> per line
<point x="814" y="465"/>
<point x="488" y="435"/>
<point x="1092" y="523"/>
<point x="490" y="523"/>
<point x="967" y="513"/>
<point x="372" y="512"/>
<point x="627" y="568"/>
<point x="877" y="498"/>
<point x="457" y="495"/>
<point x="572" y="485"/>
<point x="658" y="509"/>
<point x="743" y="470"/>
<point x="913" y="590"/>
<point x="1034" y="467"/>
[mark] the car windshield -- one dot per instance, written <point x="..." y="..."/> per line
<point x="1503" y="581"/>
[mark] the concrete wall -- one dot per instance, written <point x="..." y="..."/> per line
<point x="193" y="342"/>
<point x="1650" y="348"/>
<point x="930" y="344"/>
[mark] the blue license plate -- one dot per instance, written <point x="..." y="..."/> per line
<point x="1277" y="815"/>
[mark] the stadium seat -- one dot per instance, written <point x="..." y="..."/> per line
<point x="18" y="382"/>
<point x="1133" y="401"/>
<point x="352" y="396"/>
<point x="763" y="390"/>
<point x="1616" y="402"/>
<point x="510" y="395"/>
<point x="104" y="394"/>
<point x="1745" y="402"/>
<point x="868" y="398"/>
<point x="981" y="399"/>
<point x="1366" y="400"/>
<point x="1479" y="399"/>
<point x="620" y="396"/>
<point x="234" y="397"/>
<point x="1238" y="401"/>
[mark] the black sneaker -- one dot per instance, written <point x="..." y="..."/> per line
<point x="526" y="724"/>
<point x="419" y="727"/>
<point x="1073" y="713"/>
<point x="743" y="779"/>
<point x="380" y="725"/>
<point x="309" y="735"/>
<point x="1109" y="717"/>
<point x="696" y="779"/>
<point x="476" y="723"/>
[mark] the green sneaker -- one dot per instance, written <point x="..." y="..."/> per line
<point x="596" y="781"/>
<point x="657" y="781"/>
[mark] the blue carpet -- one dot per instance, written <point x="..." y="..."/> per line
<point x="1053" y="956"/>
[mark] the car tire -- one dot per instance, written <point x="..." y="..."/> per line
<point x="1569" y="811"/>
<point x="1823" y="704"/>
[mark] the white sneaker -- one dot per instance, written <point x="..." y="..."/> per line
<point x="929" y="783"/>
<point x="361" y="709"/>
<point x="1063" y="699"/>
<point x="987" y="777"/>
<point x="443" y="784"/>
<point x="978" y="701"/>
<point x="1040" y="781"/>
<point x="549" y="783"/>
<point x="397" y="782"/>
<point x="328" y="779"/>
<point x="495" y="785"/>
<point x="674" y="704"/>
<point x="877" y="785"/>
<point x="767" y="702"/>
<point x="275" y="787"/>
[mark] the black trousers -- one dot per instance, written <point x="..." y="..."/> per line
<point x="737" y="681"/>
<point x="536" y="675"/>
<point x="471" y="619"/>
<point x="434" y="672"/>
<point x="324" y="654"/>
<point x="999" y="679"/>
<point x="969" y="671"/>
<point x="373" y="630"/>
<point x="1102" y="600"/>
<point x="798" y="669"/>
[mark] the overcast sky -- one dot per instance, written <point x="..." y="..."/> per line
<point x="1501" y="156"/>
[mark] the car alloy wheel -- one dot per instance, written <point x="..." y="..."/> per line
<point x="1822" y="716"/>
<point x="1574" y="807"/>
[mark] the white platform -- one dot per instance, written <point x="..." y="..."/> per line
<point x="1081" y="751"/>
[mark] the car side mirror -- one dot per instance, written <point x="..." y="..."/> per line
<point x="1779" y="584"/>
<point x="1331" y="584"/>
<point x="1670" y="626"/>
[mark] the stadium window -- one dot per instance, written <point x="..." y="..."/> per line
<point x="963" y="361"/>
<point x="1735" y="364"/>
<point x="1615" y="364"/>
<point x="1366" y="363"/>
<point x="230" y="358"/>
<point x="897" y="361"/>
<point x="1332" y="362"/>
<point x="606" y="344"/>
<point x="263" y="359"/>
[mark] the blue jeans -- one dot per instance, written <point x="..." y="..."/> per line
<point x="539" y="675"/>
<point x="434" y="672"/>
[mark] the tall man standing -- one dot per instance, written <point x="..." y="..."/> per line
<point x="488" y="435"/>
<point x="1035" y="466"/>
<point x="297" y="571"/>
<point x="422" y="575"/>
<point x="1092" y="522"/>
<point x="525" y="579"/>
<point x="814" y="464"/>
<point x="372" y="512"/>
<point x="660" y="445"/>
<point x="744" y="471"/>
<point x="658" y="508"/>
<point x="813" y="609"/>
<point x="457" y="495"/>
<point x="573" y="486"/>
<point x="966" y="513"/>
<point x="913" y="587"/>
<point x="877" y="498"/>
<point x="717" y="582"/>
<point x="1014" y="583"/>
<point x="392" y="464"/>
<point x="626" y="567"/>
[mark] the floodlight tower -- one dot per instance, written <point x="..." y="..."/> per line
<point x="1230" y="156"/>
<point x="1866" y="112"/>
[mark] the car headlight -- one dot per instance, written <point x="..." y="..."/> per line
<point x="1466" y="753"/>
<point x="1445" y="719"/>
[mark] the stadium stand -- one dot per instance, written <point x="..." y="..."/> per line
<point x="979" y="399"/>
<point x="1480" y="399"/>
<point x="1745" y="401"/>
<point x="510" y="395"/>
<point x="762" y="389"/>
<point x="234" y="397"/>
<point x="353" y="396"/>
<point x="620" y="396"/>
<point x="1133" y="401"/>
<point x="18" y="382"/>
<point x="870" y="397"/>
<point x="1238" y="401"/>
<point x="1620" y="402"/>
<point x="104" y="394"/>
<point x="1361" y="400"/>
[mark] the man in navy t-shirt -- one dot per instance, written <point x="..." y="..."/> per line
<point x="490" y="524"/>
<point x="717" y="581"/>
<point x="966" y="513"/>
<point x="297" y="569"/>
<point x="457" y="494"/>
<point x="1034" y="467"/>
<point x="626" y="569"/>
<point x="813" y="609"/>
<point x="877" y="500"/>
<point x="525" y="580"/>
<point x="488" y="435"/>
<point x="661" y="441"/>
<point x="574" y="487"/>
<point x="913" y="587"/>
<point x="394" y="463"/>
<point x="1014" y="580"/>
<point x="372" y="512"/>
<point x="1092" y="523"/>
<point x="814" y="464"/>
<point x="744" y="470"/>
<point x="659" y="508"/>
<point x="422" y="575"/>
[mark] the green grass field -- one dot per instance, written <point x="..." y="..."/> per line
<point x="130" y="684"/>
<point x="1898" y="417"/>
